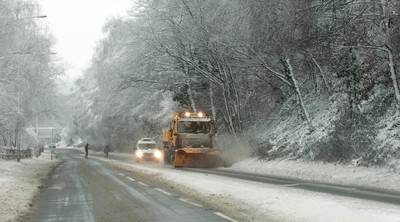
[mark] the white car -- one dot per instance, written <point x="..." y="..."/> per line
<point x="147" y="150"/>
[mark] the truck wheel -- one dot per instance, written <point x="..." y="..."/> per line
<point x="167" y="159"/>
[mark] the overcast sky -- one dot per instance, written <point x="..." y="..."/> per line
<point x="77" y="25"/>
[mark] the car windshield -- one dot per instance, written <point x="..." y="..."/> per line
<point x="145" y="146"/>
<point x="193" y="127"/>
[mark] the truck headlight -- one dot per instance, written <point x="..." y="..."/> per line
<point x="139" y="154"/>
<point x="157" y="154"/>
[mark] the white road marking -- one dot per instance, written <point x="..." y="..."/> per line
<point x="190" y="202"/>
<point x="121" y="174"/>
<point x="131" y="179"/>
<point x="164" y="192"/>
<point x="223" y="216"/>
<point x="143" y="184"/>
<point x="56" y="187"/>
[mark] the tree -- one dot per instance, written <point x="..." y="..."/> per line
<point x="279" y="32"/>
<point x="27" y="74"/>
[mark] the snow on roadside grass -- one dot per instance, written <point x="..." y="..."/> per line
<point x="253" y="201"/>
<point x="384" y="178"/>
<point x="20" y="182"/>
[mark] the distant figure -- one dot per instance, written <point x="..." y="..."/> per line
<point x="107" y="150"/>
<point x="87" y="150"/>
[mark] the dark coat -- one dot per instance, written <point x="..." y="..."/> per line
<point x="87" y="147"/>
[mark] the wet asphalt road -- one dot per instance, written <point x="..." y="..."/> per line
<point x="87" y="190"/>
<point x="359" y="192"/>
<point x="365" y="193"/>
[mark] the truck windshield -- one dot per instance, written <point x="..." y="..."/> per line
<point x="193" y="127"/>
<point x="145" y="146"/>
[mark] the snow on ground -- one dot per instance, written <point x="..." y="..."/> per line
<point x="385" y="178"/>
<point x="20" y="181"/>
<point x="246" y="201"/>
<point x="253" y="201"/>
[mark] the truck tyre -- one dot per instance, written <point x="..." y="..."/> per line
<point x="167" y="158"/>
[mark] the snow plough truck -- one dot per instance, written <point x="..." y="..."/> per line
<point x="188" y="141"/>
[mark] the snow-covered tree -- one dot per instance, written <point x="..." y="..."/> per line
<point x="27" y="74"/>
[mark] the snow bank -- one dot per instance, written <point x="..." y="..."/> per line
<point x="385" y="178"/>
<point x="20" y="182"/>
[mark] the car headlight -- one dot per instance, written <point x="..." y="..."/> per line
<point x="157" y="154"/>
<point x="139" y="154"/>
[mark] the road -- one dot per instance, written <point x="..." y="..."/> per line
<point x="88" y="190"/>
<point x="117" y="189"/>
<point x="365" y="193"/>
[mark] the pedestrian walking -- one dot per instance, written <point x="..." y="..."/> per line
<point x="107" y="150"/>
<point x="87" y="150"/>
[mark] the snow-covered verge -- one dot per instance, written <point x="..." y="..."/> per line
<point x="383" y="178"/>
<point x="252" y="201"/>
<point x="20" y="182"/>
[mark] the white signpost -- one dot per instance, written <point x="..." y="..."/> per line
<point x="45" y="134"/>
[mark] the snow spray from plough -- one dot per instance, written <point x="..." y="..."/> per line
<point x="188" y="141"/>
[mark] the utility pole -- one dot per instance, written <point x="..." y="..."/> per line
<point x="19" y="120"/>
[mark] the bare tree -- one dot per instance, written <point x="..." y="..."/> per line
<point x="27" y="74"/>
